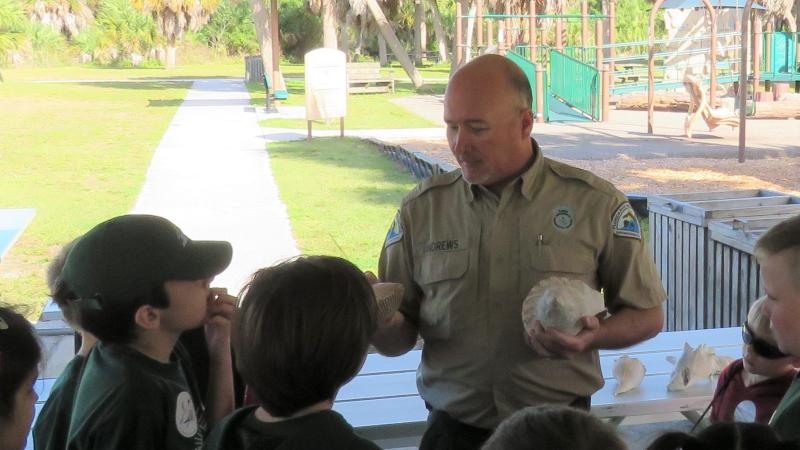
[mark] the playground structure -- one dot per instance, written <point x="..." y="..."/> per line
<point x="583" y="76"/>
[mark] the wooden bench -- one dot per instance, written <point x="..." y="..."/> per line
<point x="383" y="403"/>
<point x="363" y="78"/>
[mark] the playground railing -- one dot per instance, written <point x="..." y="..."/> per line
<point x="517" y="55"/>
<point x="779" y="56"/>
<point x="577" y="83"/>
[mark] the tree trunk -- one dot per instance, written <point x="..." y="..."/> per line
<point x="441" y="39"/>
<point x="262" y="22"/>
<point x="469" y="33"/>
<point x="344" y="37"/>
<point x="382" y="51"/>
<point x="419" y="19"/>
<point x="328" y="24"/>
<point x="391" y="38"/>
<point x="171" y="51"/>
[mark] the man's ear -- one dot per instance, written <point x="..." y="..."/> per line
<point x="795" y="361"/>
<point x="148" y="317"/>
<point x="527" y="123"/>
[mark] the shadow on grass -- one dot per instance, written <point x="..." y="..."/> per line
<point x="136" y="85"/>
<point x="352" y="154"/>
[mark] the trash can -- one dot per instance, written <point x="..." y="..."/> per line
<point x="682" y="248"/>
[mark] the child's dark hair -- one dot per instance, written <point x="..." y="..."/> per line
<point x="554" y="427"/>
<point x="303" y="331"/>
<point x="20" y="355"/>
<point x="725" y="436"/>
<point x="114" y="323"/>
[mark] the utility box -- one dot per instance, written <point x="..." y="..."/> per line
<point x="734" y="274"/>
<point x="697" y="272"/>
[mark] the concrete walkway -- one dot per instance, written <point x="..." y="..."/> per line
<point x="211" y="176"/>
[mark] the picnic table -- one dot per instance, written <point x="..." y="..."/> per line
<point x="13" y="222"/>
<point x="383" y="404"/>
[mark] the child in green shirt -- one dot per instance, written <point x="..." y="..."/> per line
<point x="136" y="282"/>
<point x="778" y="252"/>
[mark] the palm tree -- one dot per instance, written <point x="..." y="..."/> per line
<point x="12" y="21"/>
<point x="330" y="20"/>
<point x="65" y="16"/>
<point x="174" y="17"/>
<point x="782" y="10"/>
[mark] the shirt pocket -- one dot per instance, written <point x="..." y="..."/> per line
<point x="540" y="261"/>
<point x="442" y="279"/>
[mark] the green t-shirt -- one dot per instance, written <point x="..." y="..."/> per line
<point x="128" y="400"/>
<point x="52" y="425"/>
<point x="786" y="420"/>
<point x="328" y="430"/>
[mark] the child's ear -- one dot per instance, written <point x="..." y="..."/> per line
<point x="147" y="317"/>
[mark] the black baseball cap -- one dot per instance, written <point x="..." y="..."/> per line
<point x="126" y="257"/>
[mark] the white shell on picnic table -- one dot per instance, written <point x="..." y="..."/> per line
<point x="629" y="373"/>
<point x="560" y="303"/>
<point x="694" y="365"/>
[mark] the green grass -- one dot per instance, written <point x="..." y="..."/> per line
<point x="363" y="110"/>
<point x="77" y="152"/>
<point x="341" y="195"/>
<point x="226" y="68"/>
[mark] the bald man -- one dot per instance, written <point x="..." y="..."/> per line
<point x="469" y="245"/>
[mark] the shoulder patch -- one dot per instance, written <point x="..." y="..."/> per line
<point x="395" y="233"/>
<point x="625" y="223"/>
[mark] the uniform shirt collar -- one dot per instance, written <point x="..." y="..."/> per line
<point x="527" y="182"/>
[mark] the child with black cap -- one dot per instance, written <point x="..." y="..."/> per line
<point x="136" y="282"/>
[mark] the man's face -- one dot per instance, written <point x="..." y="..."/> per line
<point x="488" y="132"/>
<point x="783" y="300"/>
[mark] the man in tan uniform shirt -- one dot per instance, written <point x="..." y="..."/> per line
<point x="469" y="245"/>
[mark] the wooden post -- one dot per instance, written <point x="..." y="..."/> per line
<point x="478" y="21"/>
<point x="757" y="36"/>
<point x="712" y="94"/>
<point x="743" y="79"/>
<point x="459" y="35"/>
<point x="612" y="31"/>
<point x="604" y="96"/>
<point x="559" y="34"/>
<point x="539" y="93"/>
<point x="584" y="24"/>
<point x="651" y="65"/>
<point x="489" y="32"/>
<point x="598" y="41"/>
<point x="532" y="29"/>
<point x="308" y="137"/>
<point x="768" y="55"/>
<point x="341" y="126"/>
<point x="508" y="26"/>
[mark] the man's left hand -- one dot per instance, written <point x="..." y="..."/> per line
<point x="556" y="344"/>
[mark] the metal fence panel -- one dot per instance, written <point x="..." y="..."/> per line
<point x="576" y="83"/>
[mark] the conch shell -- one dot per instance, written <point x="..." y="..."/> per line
<point x="695" y="365"/>
<point x="388" y="296"/>
<point x="560" y="303"/>
<point x="629" y="373"/>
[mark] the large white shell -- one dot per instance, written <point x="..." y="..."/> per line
<point x="560" y="303"/>
<point x="695" y="365"/>
<point x="388" y="296"/>
<point x="629" y="373"/>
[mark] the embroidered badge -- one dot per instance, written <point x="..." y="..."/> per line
<point x="185" y="416"/>
<point x="563" y="218"/>
<point x="625" y="223"/>
<point x="395" y="233"/>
